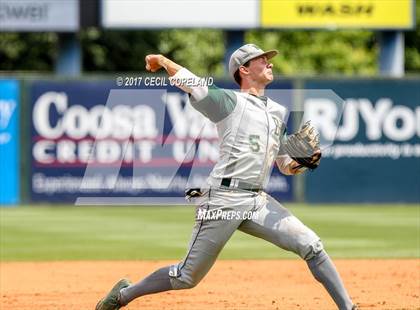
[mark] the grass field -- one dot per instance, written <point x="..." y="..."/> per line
<point x="146" y="233"/>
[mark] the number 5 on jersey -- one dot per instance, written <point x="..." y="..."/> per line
<point x="253" y="143"/>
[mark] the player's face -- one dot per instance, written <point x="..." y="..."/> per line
<point x="261" y="70"/>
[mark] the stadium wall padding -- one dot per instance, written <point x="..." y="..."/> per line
<point x="374" y="157"/>
<point x="9" y="142"/>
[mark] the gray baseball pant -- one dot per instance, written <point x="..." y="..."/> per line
<point x="266" y="218"/>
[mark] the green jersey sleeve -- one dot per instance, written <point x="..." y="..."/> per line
<point x="217" y="105"/>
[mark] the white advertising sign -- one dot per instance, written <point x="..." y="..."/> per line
<point x="180" y="13"/>
<point x="39" y="15"/>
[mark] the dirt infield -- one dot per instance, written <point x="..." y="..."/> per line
<point x="255" y="285"/>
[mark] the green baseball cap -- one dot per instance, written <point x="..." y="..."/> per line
<point x="244" y="54"/>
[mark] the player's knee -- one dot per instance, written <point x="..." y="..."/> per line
<point x="311" y="250"/>
<point x="183" y="283"/>
<point x="180" y="280"/>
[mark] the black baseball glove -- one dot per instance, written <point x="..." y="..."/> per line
<point x="303" y="146"/>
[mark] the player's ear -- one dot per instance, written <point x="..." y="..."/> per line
<point x="244" y="70"/>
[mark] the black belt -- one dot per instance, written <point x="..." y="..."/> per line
<point x="227" y="182"/>
<point x="193" y="193"/>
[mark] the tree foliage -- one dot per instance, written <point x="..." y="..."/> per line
<point x="412" y="45"/>
<point x="110" y="51"/>
<point x="341" y="52"/>
<point x="27" y="51"/>
<point x="200" y="50"/>
<point x="320" y="52"/>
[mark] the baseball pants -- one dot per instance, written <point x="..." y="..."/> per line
<point x="256" y="214"/>
<point x="219" y="213"/>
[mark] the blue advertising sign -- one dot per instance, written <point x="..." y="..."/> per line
<point x="98" y="142"/>
<point x="9" y="142"/>
<point x="376" y="149"/>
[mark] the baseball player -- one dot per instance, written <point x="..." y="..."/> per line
<point x="251" y="130"/>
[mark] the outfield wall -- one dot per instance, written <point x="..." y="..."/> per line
<point x="374" y="123"/>
<point x="9" y="142"/>
<point x="376" y="153"/>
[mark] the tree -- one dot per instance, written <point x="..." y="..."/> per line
<point x="27" y="51"/>
<point x="412" y="45"/>
<point x="344" y="52"/>
<point x="320" y="52"/>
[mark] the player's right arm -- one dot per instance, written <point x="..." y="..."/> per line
<point x="155" y="62"/>
<point x="213" y="102"/>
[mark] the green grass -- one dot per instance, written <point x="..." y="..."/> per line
<point x="123" y="233"/>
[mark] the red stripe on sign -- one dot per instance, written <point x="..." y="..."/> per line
<point x="158" y="139"/>
<point x="157" y="162"/>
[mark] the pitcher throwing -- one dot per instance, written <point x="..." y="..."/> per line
<point x="251" y="130"/>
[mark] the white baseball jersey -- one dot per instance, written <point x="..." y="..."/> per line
<point x="250" y="129"/>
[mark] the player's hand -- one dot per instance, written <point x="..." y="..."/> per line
<point x="153" y="62"/>
<point x="297" y="168"/>
<point x="316" y="157"/>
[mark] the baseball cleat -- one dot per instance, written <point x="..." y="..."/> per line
<point x="111" y="301"/>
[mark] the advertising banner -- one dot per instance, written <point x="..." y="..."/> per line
<point x="368" y="14"/>
<point x="245" y="14"/>
<point x="112" y="142"/>
<point x="9" y="142"/>
<point x="39" y="15"/>
<point x="180" y="13"/>
<point x="376" y="151"/>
